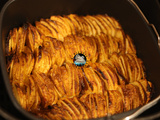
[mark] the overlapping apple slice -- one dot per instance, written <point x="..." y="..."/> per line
<point x="67" y="79"/>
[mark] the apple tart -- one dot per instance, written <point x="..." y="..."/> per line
<point x="75" y="67"/>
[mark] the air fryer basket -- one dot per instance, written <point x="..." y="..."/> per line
<point x="17" y="12"/>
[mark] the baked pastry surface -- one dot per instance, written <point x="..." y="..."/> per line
<point x="47" y="83"/>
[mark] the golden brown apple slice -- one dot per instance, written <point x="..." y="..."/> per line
<point x="43" y="29"/>
<point x="67" y="79"/>
<point x="97" y="103"/>
<point x="107" y="74"/>
<point x="34" y="38"/>
<point x="115" y="101"/>
<point x="12" y="41"/>
<point x="75" y="108"/>
<point x="42" y="61"/>
<point x="21" y="66"/>
<point x="56" y="50"/>
<point x="46" y="89"/>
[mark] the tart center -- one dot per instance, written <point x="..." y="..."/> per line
<point x="79" y="59"/>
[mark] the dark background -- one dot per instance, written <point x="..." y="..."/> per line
<point x="151" y="9"/>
